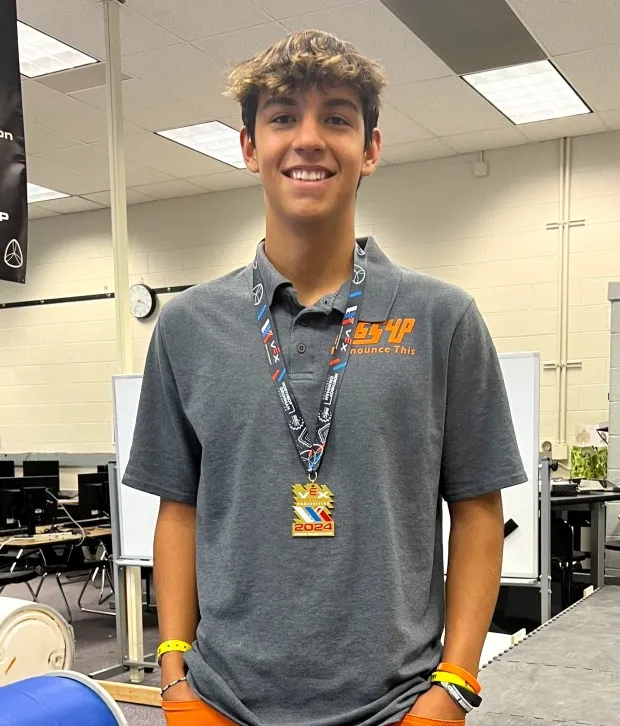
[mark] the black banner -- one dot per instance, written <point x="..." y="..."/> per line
<point x="13" y="193"/>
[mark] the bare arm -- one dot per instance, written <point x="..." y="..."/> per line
<point x="474" y="571"/>
<point x="175" y="586"/>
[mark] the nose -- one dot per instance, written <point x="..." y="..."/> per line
<point x="309" y="137"/>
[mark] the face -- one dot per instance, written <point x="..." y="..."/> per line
<point x="310" y="152"/>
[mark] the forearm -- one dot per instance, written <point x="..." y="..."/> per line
<point x="175" y="581"/>
<point x="474" y="571"/>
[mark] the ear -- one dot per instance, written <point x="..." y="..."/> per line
<point x="249" y="151"/>
<point x="372" y="154"/>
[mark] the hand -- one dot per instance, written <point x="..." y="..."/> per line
<point x="181" y="692"/>
<point x="437" y="703"/>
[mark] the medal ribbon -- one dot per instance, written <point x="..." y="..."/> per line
<point x="310" y="452"/>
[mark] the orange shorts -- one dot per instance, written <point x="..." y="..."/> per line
<point x="197" y="713"/>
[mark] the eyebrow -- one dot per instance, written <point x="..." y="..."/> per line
<point x="290" y="102"/>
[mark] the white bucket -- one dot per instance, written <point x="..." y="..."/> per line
<point x="34" y="640"/>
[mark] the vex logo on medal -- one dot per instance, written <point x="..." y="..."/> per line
<point x="313" y="505"/>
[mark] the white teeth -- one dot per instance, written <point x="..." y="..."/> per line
<point x="308" y="175"/>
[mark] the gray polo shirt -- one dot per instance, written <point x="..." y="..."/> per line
<point x="321" y="631"/>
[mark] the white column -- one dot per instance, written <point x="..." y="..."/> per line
<point x="120" y="246"/>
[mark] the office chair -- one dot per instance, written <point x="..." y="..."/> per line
<point x="56" y="563"/>
<point x="564" y="558"/>
<point x="17" y="571"/>
<point x="103" y="566"/>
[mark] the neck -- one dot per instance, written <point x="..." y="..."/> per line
<point x="317" y="260"/>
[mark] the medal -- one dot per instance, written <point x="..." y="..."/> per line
<point x="313" y="503"/>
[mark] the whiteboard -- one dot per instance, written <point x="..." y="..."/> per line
<point x="138" y="510"/>
<point x="521" y="373"/>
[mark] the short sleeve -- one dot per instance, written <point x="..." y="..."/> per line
<point x="165" y="453"/>
<point x="480" y="452"/>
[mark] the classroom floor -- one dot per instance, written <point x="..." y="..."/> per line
<point x="95" y="637"/>
<point x="563" y="674"/>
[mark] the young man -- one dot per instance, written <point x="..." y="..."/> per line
<point x="301" y="554"/>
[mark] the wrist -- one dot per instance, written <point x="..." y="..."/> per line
<point x="172" y="666"/>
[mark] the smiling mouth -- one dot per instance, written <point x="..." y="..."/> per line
<point x="308" y="175"/>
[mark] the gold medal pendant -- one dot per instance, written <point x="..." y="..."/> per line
<point x="313" y="504"/>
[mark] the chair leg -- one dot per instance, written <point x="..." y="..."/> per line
<point x="92" y="610"/>
<point x="32" y="592"/>
<point x="62" y="592"/>
<point x="41" y="581"/>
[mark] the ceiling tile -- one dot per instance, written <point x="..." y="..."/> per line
<point x="65" y="115"/>
<point x="186" y="73"/>
<point x="565" y="26"/>
<point x="612" y="118"/>
<point x="74" y="22"/>
<point x="557" y="128"/>
<point x="279" y="9"/>
<point x="417" y="151"/>
<point x="133" y="197"/>
<point x="445" y="106"/>
<point x="170" y="189"/>
<point x="84" y="159"/>
<point x="380" y="34"/>
<point x="595" y="75"/>
<point x="39" y="139"/>
<point x="68" y="205"/>
<point x="44" y="171"/>
<point x="234" y="121"/>
<point x="138" y="34"/>
<point x="200" y="18"/>
<point x="147" y="106"/>
<point x="485" y="140"/>
<point x="227" y="180"/>
<point x="169" y="157"/>
<point x="38" y="211"/>
<point x="241" y="44"/>
<point x="397" y="128"/>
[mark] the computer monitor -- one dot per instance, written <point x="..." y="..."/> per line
<point x="10" y="508"/>
<point x="51" y="483"/>
<point x="94" y="500"/>
<point x="37" y="467"/>
<point x="7" y="468"/>
<point x="37" y="508"/>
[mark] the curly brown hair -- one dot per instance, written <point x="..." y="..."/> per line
<point x="308" y="58"/>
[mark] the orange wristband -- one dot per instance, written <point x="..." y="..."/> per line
<point x="461" y="673"/>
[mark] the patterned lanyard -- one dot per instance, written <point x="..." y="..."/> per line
<point x="310" y="452"/>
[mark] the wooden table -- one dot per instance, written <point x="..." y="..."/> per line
<point x="47" y="538"/>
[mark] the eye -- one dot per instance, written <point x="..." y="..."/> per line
<point x="337" y="121"/>
<point x="282" y="118"/>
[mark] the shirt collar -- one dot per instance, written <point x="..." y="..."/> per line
<point x="381" y="288"/>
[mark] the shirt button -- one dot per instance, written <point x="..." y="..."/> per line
<point x="301" y="348"/>
<point x="305" y="322"/>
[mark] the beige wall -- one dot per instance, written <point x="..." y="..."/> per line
<point x="486" y="234"/>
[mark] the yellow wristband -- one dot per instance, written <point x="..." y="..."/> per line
<point x="443" y="677"/>
<point x="168" y="646"/>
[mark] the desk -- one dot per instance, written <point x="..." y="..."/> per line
<point x="595" y="503"/>
<point x="47" y="538"/>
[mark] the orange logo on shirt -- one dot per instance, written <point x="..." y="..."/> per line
<point x="383" y="338"/>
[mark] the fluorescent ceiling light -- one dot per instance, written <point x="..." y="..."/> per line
<point x="528" y="92"/>
<point x="213" y="139"/>
<point x="41" y="194"/>
<point x="40" y="54"/>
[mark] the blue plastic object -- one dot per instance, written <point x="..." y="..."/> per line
<point x="55" y="701"/>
